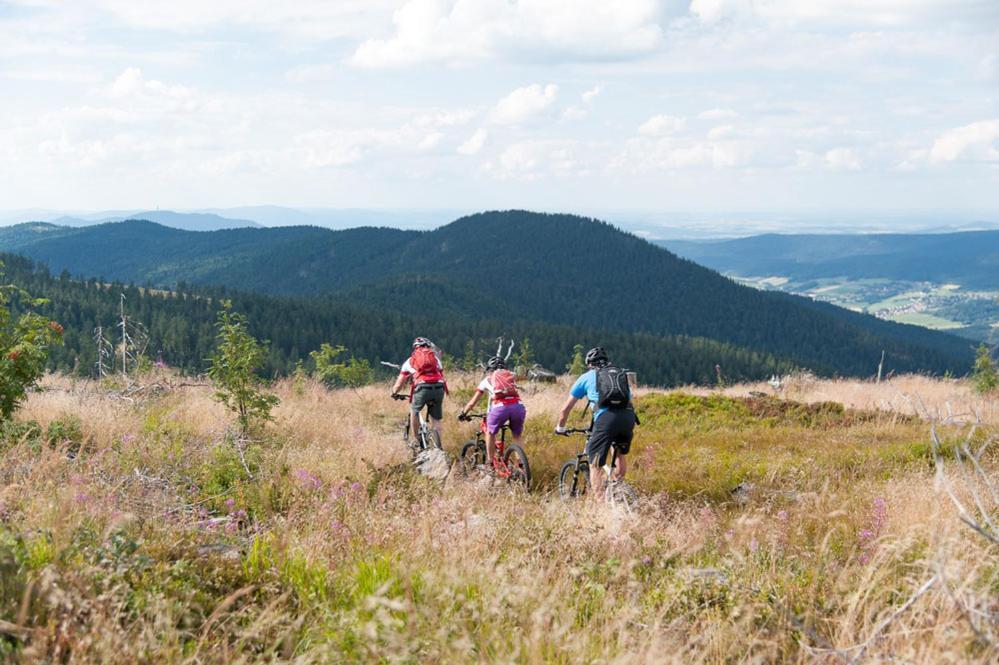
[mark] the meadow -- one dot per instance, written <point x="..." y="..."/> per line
<point x="134" y="527"/>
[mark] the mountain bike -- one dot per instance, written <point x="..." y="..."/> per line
<point x="509" y="463"/>
<point x="574" y="477"/>
<point x="426" y="438"/>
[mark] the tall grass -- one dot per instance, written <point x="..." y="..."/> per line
<point x="134" y="534"/>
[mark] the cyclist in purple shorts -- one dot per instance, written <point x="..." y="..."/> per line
<point x="505" y="407"/>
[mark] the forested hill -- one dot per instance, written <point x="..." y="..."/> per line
<point x="556" y="269"/>
<point x="181" y="332"/>
<point x="969" y="258"/>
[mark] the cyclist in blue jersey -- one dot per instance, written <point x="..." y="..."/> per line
<point x="613" y="425"/>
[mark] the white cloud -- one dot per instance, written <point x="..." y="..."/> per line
<point x="462" y="30"/>
<point x="845" y="12"/>
<point x="716" y="114"/>
<point x="660" y="125"/>
<point x="473" y="145"/>
<point x="720" y="132"/>
<point x="591" y="94"/>
<point x="532" y="160"/>
<point x="312" y="19"/>
<point x="311" y="73"/>
<point x="976" y="142"/>
<point x="842" y="159"/>
<point x="524" y="104"/>
<point x="670" y="153"/>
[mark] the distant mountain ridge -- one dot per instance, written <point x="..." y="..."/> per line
<point x="558" y="269"/>
<point x="185" y="221"/>
<point x="969" y="258"/>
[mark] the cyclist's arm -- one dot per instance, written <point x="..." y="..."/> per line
<point x="563" y="415"/>
<point x="472" y="402"/>
<point x="400" y="381"/>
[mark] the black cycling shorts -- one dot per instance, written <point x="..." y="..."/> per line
<point x="613" y="428"/>
<point x="430" y="395"/>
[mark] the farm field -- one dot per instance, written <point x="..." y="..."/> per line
<point x="133" y="529"/>
<point x="937" y="306"/>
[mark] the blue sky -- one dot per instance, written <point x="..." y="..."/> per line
<point x="579" y="105"/>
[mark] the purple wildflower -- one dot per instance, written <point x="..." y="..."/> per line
<point x="876" y="523"/>
<point x="308" y="479"/>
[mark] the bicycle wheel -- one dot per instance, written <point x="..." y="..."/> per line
<point x="433" y="439"/>
<point x="520" y="470"/>
<point x="473" y="454"/>
<point x="573" y="480"/>
<point x="620" y="493"/>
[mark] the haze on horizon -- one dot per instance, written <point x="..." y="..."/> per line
<point x="823" y="107"/>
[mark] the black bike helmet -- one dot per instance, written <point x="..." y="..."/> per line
<point x="495" y="363"/>
<point x="422" y="341"/>
<point x="596" y="357"/>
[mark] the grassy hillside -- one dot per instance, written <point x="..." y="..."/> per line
<point x="131" y="531"/>
<point x="555" y="269"/>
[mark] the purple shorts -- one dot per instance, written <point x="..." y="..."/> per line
<point x="507" y="414"/>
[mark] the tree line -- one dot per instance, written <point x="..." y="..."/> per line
<point x="179" y="326"/>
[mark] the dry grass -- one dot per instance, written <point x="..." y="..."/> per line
<point x="131" y="532"/>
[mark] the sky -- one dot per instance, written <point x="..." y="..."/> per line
<point x="818" y="106"/>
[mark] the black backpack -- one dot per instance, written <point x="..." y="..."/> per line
<point x="612" y="388"/>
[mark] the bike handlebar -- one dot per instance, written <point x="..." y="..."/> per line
<point x="400" y="398"/>
<point x="470" y="416"/>
<point x="575" y="431"/>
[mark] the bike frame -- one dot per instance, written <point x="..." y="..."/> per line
<point x="582" y="460"/>
<point x="502" y="470"/>
<point x="424" y="425"/>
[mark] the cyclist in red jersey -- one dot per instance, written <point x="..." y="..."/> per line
<point x="425" y="373"/>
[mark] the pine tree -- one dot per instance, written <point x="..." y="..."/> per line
<point x="984" y="374"/>
<point x="577" y="365"/>
<point x="233" y="370"/>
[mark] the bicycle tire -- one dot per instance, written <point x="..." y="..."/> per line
<point x="520" y="471"/>
<point x="433" y="440"/>
<point x="621" y="494"/>
<point x="572" y="480"/>
<point x="473" y="454"/>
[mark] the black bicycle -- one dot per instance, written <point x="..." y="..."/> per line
<point x="427" y="437"/>
<point x="574" y="477"/>
<point x="509" y="463"/>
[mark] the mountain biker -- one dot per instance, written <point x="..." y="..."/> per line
<point x="613" y="416"/>
<point x="424" y="370"/>
<point x="505" y="407"/>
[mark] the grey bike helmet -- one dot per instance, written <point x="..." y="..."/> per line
<point x="422" y="341"/>
<point x="495" y="363"/>
<point x="596" y="357"/>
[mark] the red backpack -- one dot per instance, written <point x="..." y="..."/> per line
<point x="424" y="363"/>
<point x="504" y="386"/>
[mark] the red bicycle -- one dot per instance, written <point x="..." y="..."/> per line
<point x="509" y="463"/>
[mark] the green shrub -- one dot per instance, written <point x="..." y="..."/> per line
<point x="354" y="373"/>
<point x="13" y="432"/>
<point x="984" y="374"/>
<point x="66" y="430"/>
<point x="24" y="348"/>
<point x="233" y="370"/>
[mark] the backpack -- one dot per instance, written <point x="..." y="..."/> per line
<point x="612" y="388"/>
<point x="424" y="363"/>
<point x="503" y="384"/>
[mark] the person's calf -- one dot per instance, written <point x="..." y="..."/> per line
<point x="621" y="467"/>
